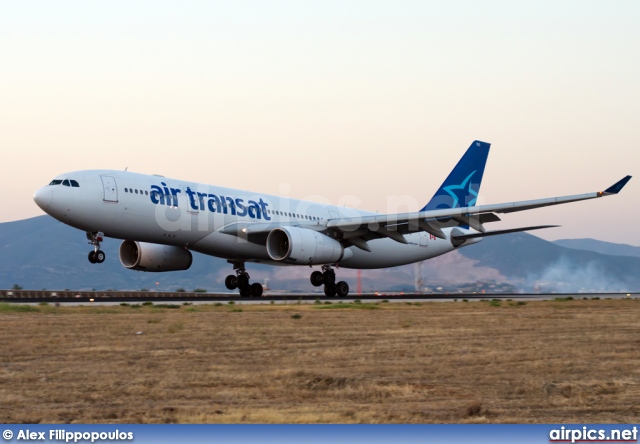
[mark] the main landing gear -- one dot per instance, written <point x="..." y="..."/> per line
<point x="241" y="281"/>
<point x="96" y="256"/>
<point x="327" y="277"/>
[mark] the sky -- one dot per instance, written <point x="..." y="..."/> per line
<point x="366" y="104"/>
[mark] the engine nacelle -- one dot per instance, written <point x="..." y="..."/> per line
<point x="144" y="256"/>
<point x="302" y="246"/>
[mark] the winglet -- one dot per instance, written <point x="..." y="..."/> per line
<point x="615" y="188"/>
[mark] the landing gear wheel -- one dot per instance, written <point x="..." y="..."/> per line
<point x="329" y="277"/>
<point x="256" y="290"/>
<point x="316" y="278"/>
<point x="342" y="288"/>
<point x="99" y="256"/>
<point x="243" y="280"/>
<point x="231" y="282"/>
<point x="330" y="290"/>
<point x="96" y="256"/>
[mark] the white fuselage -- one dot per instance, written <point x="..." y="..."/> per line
<point x="161" y="210"/>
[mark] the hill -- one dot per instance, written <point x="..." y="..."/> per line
<point x="43" y="253"/>
<point x="600" y="247"/>
<point x="538" y="264"/>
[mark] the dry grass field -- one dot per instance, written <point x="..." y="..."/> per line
<point x="480" y="362"/>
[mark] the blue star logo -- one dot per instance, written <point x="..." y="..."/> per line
<point x="460" y="192"/>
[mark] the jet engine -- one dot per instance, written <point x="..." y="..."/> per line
<point x="144" y="256"/>
<point x="302" y="246"/>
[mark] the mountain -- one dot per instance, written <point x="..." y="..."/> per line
<point x="600" y="247"/>
<point x="537" y="264"/>
<point x="43" y="253"/>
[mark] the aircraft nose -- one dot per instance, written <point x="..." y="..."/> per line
<point x="43" y="197"/>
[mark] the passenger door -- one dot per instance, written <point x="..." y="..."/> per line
<point x="110" y="190"/>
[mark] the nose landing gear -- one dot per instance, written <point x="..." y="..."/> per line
<point x="96" y="256"/>
<point x="328" y="277"/>
<point x="241" y="282"/>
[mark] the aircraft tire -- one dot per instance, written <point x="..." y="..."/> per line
<point x="329" y="277"/>
<point x="342" y="289"/>
<point x="245" y="292"/>
<point x="330" y="290"/>
<point x="256" y="290"/>
<point x="316" y="278"/>
<point x="231" y="282"/>
<point x="92" y="257"/>
<point x="99" y="256"/>
<point x="243" y="280"/>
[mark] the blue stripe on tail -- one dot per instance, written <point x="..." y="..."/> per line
<point x="463" y="184"/>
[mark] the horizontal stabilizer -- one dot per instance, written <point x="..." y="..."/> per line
<point x="495" y="233"/>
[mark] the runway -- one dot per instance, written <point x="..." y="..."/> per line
<point x="67" y="296"/>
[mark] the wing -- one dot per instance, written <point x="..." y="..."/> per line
<point x="359" y="230"/>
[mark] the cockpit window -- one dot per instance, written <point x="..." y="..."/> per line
<point x="65" y="182"/>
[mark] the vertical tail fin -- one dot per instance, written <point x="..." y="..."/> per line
<point x="461" y="187"/>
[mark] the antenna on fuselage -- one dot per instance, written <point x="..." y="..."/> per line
<point x="126" y="168"/>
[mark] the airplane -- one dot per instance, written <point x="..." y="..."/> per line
<point x="162" y="220"/>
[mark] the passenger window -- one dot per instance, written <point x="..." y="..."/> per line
<point x="66" y="183"/>
<point x="126" y="190"/>
<point x="74" y="183"/>
<point x="146" y="192"/>
<point x="136" y="191"/>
